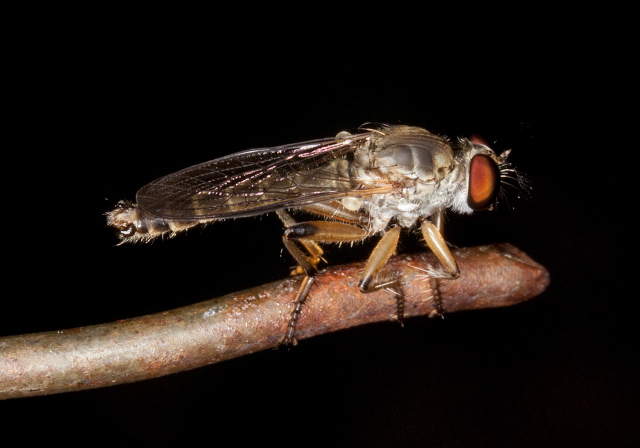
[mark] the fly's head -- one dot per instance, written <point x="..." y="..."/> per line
<point x="480" y="176"/>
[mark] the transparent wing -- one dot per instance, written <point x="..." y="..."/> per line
<point x="257" y="181"/>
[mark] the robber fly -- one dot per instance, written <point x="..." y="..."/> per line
<point x="377" y="180"/>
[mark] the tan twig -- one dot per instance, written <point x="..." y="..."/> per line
<point x="252" y="320"/>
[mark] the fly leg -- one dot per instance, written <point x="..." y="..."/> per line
<point x="301" y="240"/>
<point x="307" y="262"/>
<point x="433" y="237"/>
<point x="370" y="279"/>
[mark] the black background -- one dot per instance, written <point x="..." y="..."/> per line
<point x="98" y="112"/>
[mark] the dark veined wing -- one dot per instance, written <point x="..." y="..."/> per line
<point x="257" y="181"/>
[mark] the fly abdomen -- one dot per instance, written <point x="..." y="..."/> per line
<point x="134" y="225"/>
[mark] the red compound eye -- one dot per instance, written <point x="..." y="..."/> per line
<point x="484" y="182"/>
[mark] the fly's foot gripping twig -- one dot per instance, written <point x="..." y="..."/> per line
<point x="289" y="339"/>
<point x="438" y="306"/>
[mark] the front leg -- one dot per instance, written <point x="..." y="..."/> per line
<point x="433" y="237"/>
<point x="438" y="246"/>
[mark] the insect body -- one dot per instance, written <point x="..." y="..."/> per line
<point x="375" y="181"/>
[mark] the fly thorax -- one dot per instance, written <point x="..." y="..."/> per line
<point x="415" y="162"/>
<point x="406" y="163"/>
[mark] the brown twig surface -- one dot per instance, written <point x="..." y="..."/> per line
<point x="253" y="320"/>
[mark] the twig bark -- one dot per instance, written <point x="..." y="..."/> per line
<point x="253" y="320"/>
